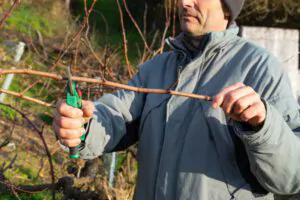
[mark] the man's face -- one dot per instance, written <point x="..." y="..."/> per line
<point x="198" y="17"/>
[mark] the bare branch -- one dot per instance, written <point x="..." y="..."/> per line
<point x="75" y="36"/>
<point x="105" y="83"/>
<point x="20" y="95"/>
<point x="136" y="25"/>
<point x="129" y="69"/>
<point x="40" y="133"/>
<point x="8" y="14"/>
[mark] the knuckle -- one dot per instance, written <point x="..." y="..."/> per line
<point x="63" y="133"/>
<point x="60" y="106"/>
<point x="257" y="96"/>
<point x="244" y="116"/>
<point x="239" y="84"/>
<point x="73" y="112"/>
<point x="250" y="88"/>
<point x="62" y="122"/>
<point x="226" y="88"/>
<point x="69" y="134"/>
<point x="216" y="98"/>
<point x="65" y="142"/>
<point x="239" y="105"/>
<point x="231" y="97"/>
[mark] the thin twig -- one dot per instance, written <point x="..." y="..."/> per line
<point x="12" y="162"/>
<point x="89" y="45"/>
<point x="174" y="18"/>
<point x="136" y="25"/>
<point x="75" y="36"/>
<point x="105" y="83"/>
<point x="28" y="87"/>
<point x="19" y="95"/>
<point x="8" y="14"/>
<point x="130" y="73"/>
<point x="40" y="133"/>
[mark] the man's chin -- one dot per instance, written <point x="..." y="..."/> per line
<point x="190" y="33"/>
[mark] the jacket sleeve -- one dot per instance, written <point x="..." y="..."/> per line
<point x="115" y="121"/>
<point x="274" y="151"/>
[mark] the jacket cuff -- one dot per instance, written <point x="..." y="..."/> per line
<point x="249" y="135"/>
<point x="85" y="152"/>
<point x="95" y="140"/>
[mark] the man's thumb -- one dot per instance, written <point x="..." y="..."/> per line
<point x="88" y="108"/>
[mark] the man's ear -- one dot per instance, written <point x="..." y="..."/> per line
<point x="227" y="15"/>
<point x="226" y="11"/>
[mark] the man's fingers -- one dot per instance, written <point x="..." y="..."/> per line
<point x="71" y="142"/>
<point x="68" y="123"/>
<point x="232" y="97"/>
<point x="219" y="98"/>
<point x="68" y="133"/>
<point x="255" y="111"/>
<point x="244" y="102"/>
<point x="88" y="108"/>
<point x="68" y="111"/>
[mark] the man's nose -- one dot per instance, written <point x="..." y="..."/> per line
<point x="186" y="3"/>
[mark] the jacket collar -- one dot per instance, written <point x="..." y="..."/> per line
<point x="211" y="40"/>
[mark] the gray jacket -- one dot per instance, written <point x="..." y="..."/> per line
<point x="188" y="150"/>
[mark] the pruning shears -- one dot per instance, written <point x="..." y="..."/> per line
<point x="74" y="99"/>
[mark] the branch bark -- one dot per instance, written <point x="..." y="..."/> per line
<point x="105" y="83"/>
<point x="65" y="184"/>
<point x="19" y="95"/>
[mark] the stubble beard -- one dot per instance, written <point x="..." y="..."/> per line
<point x="192" y="27"/>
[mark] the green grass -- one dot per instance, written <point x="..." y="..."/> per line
<point x="7" y="112"/>
<point x="27" y="19"/>
<point x="37" y="196"/>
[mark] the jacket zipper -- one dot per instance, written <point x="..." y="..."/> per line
<point x="179" y="70"/>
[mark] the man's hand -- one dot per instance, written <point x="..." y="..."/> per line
<point x="68" y="122"/>
<point x="241" y="103"/>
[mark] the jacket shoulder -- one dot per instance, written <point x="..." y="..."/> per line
<point x="157" y="64"/>
<point x="253" y="49"/>
<point x="258" y="56"/>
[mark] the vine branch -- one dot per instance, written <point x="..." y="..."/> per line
<point x="8" y="14"/>
<point x="20" y="95"/>
<point x="105" y="83"/>
<point x="40" y="133"/>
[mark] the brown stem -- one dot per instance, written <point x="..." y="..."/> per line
<point x="75" y="36"/>
<point x="136" y="25"/>
<point x="65" y="184"/>
<point x="105" y="83"/>
<point x="174" y="18"/>
<point x="40" y="133"/>
<point x="130" y="73"/>
<point x="19" y="95"/>
<point x="28" y="88"/>
<point x="8" y="14"/>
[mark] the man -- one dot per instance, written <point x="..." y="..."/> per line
<point x="243" y="145"/>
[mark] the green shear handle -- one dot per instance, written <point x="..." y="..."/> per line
<point x="74" y="99"/>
